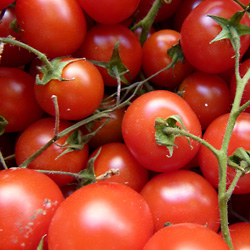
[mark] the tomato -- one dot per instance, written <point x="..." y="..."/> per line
<point x="18" y="104"/>
<point x="240" y="235"/>
<point x="111" y="131"/>
<point x="77" y="98"/>
<point x="214" y="135"/>
<point x="155" y="58"/>
<point x="117" y="156"/>
<point x="167" y="10"/>
<point x="109" y="11"/>
<point x="182" y="196"/>
<point x="28" y="201"/>
<point x="198" y="30"/>
<point x="102" y="215"/>
<point x="212" y="96"/>
<point x="12" y="56"/>
<point x="183" y="11"/>
<point x="39" y="133"/>
<point x="244" y="67"/>
<point x="56" y="28"/>
<point x="99" y="45"/>
<point x="186" y="236"/>
<point x="5" y="3"/>
<point x="139" y="131"/>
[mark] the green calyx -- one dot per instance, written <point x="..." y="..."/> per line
<point x="3" y="124"/>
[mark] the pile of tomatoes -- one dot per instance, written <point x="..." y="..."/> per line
<point x="84" y="102"/>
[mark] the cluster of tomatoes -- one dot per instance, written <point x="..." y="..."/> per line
<point x="99" y="102"/>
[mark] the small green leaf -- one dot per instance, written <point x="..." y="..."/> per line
<point x="40" y="246"/>
<point x="176" y="54"/>
<point x="3" y="124"/>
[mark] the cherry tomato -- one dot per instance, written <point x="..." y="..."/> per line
<point x="77" y="98"/>
<point x="101" y="216"/>
<point x="214" y="135"/>
<point x="244" y="67"/>
<point x="117" y="156"/>
<point x="18" y="104"/>
<point x="198" y="30"/>
<point x="182" y="196"/>
<point x="155" y="58"/>
<point x="139" y="131"/>
<point x="12" y="56"/>
<point x="99" y="45"/>
<point x="212" y="96"/>
<point x="28" y="201"/>
<point x="39" y="133"/>
<point x="239" y="233"/>
<point x="56" y="28"/>
<point x="186" y="236"/>
<point x="109" y="11"/>
<point x="5" y="3"/>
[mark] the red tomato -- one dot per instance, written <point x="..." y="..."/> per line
<point x="12" y="56"/>
<point x="240" y="235"/>
<point x="182" y="196"/>
<point x="39" y="133"/>
<point x="244" y="67"/>
<point x="155" y="58"/>
<point x="56" y="28"/>
<point x="117" y="156"/>
<point x="207" y="94"/>
<point x="186" y="236"/>
<point x="198" y="30"/>
<point x="102" y="216"/>
<point x="139" y="131"/>
<point x="99" y="45"/>
<point x="5" y="3"/>
<point x="18" y="104"/>
<point x="109" y="11"/>
<point x="28" y="201"/>
<point x="77" y="98"/>
<point x="214" y="135"/>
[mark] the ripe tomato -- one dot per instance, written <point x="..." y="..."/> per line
<point x="18" y="104"/>
<point x="28" y="201"/>
<point x="212" y="96"/>
<point x="56" y="28"/>
<point x="102" y="215"/>
<point x="155" y="58"/>
<point x="139" y="131"/>
<point x="186" y="236"/>
<point x="182" y="196"/>
<point x="198" y="30"/>
<point x="12" y="56"/>
<point x="214" y="135"/>
<point x="240" y="235"/>
<point x="99" y="45"/>
<point x="117" y="156"/>
<point x="77" y="98"/>
<point x="5" y="3"/>
<point x="109" y="11"/>
<point x="39" y="133"/>
<point x="244" y="67"/>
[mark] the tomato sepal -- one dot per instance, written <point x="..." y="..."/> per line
<point x="163" y="137"/>
<point x="40" y="246"/>
<point x="3" y="124"/>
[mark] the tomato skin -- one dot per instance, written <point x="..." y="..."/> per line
<point x="239" y="138"/>
<point x="28" y="201"/>
<point x="117" y="156"/>
<point x="99" y="44"/>
<point x="212" y="96"/>
<point x="182" y="196"/>
<point x="186" y="236"/>
<point x="139" y="132"/>
<point x="86" y="80"/>
<point x="102" y="215"/>
<point x="5" y="3"/>
<point x="39" y="133"/>
<point x="198" y="30"/>
<point x="155" y="58"/>
<point x="243" y="68"/>
<point x="56" y="28"/>
<point x="109" y="11"/>
<point x="18" y="104"/>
